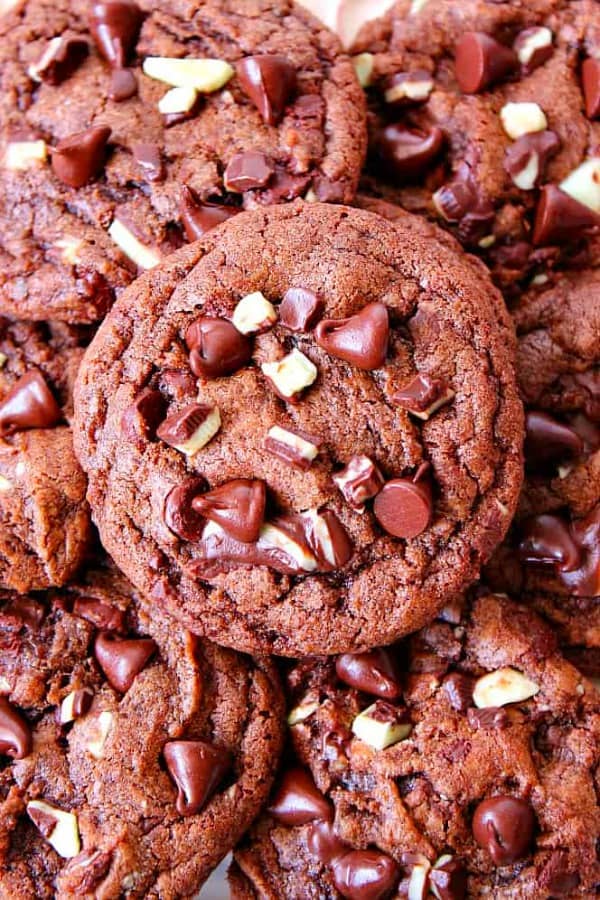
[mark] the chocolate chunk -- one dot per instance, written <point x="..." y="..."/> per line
<point x="74" y="705"/>
<point x="82" y="874"/>
<point x="462" y="201"/>
<point x="403" y="88"/>
<point x="123" y="85"/>
<point x="489" y="717"/>
<point x="584" y="579"/>
<point x="190" y="428"/>
<point x="237" y="506"/>
<point x="179" y="514"/>
<point x="198" y="218"/>
<point x="115" y="25"/>
<point x="149" y="158"/>
<point x="217" y="347"/>
<point x="547" y="439"/>
<point x="448" y="879"/>
<point x="481" y="61"/>
<point x="269" y="82"/>
<point x="100" y="614"/>
<point x="533" y="47"/>
<point x="22" y="611"/>
<point x="459" y="689"/>
<point x="328" y="540"/>
<point x="29" y="404"/>
<point x="298" y="800"/>
<point x="79" y="158"/>
<point x="547" y="540"/>
<point x="590" y="81"/>
<point x="122" y="659"/>
<point x="299" y="449"/>
<point x="374" y="673"/>
<point x="15" y="733"/>
<point x="504" y="827"/>
<point x="422" y="396"/>
<point x="525" y="160"/>
<point x="404" y="507"/>
<point x="248" y="172"/>
<point x="364" y="874"/>
<point x="361" y="340"/>
<point x="556" y="877"/>
<point x="300" y="309"/>
<point x="560" y="218"/>
<point x="407" y="153"/>
<point x="323" y="842"/>
<point x="60" y="59"/>
<point x="142" y="418"/>
<point x="285" y="186"/>
<point x="360" y="480"/>
<point x="197" y="768"/>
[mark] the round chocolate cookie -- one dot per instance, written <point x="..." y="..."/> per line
<point x="458" y="764"/>
<point x="45" y="527"/>
<point x="126" y="127"/>
<point x="484" y="116"/>
<point x="303" y="432"/>
<point x="134" y="755"/>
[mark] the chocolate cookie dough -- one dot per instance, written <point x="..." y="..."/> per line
<point x="45" y="527"/>
<point x="302" y="433"/>
<point x="134" y="755"/>
<point x="484" y="116"/>
<point x="125" y="128"/>
<point x="458" y="764"/>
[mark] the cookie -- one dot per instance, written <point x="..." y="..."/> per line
<point x="126" y="129"/>
<point x="484" y="117"/>
<point x="134" y="754"/>
<point x="324" y="441"/>
<point x="458" y="764"/>
<point x="45" y="526"/>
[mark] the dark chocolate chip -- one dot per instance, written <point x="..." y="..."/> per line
<point x="198" y="217"/>
<point x="361" y="340"/>
<point x="459" y="689"/>
<point x="360" y="480"/>
<point x="237" y="506"/>
<point x="449" y="880"/>
<point x="590" y="79"/>
<point x="179" y="514"/>
<point x="181" y="426"/>
<point x="197" y="768"/>
<point x="323" y="842"/>
<point x="547" y="439"/>
<point x="504" y="827"/>
<point x="15" y="733"/>
<point x="29" y="404"/>
<point x="142" y="418"/>
<point x="298" y="800"/>
<point x="248" y="172"/>
<point x="422" y="396"/>
<point x="300" y="309"/>
<point x="269" y="81"/>
<point x="61" y="58"/>
<point x="103" y="615"/>
<point x="374" y="673"/>
<point x="481" y="61"/>
<point x="23" y="611"/>
<point x="123" y="85"/>
<point x="217" y="347"/>
<point x="80" y="157"/>
<point x="525" y="160"/>
<point x="407" y="153"/>
<point x="547" y="540"/>
<point x="560" y="218"/>
<point x="462" y="201"/>
<point x="115" y="25"/>
<point x="149" y="158"/>
<point x="404" y="507"/>
<point x="365" y="875"/>
<point x="122" y="659"/>
<point x="490" y="717"/>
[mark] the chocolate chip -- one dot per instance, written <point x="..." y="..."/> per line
<point x="590" y="80"/>
<point x="101" y="615"/>
<point x="323" y="842"/>
<point x="179" y="514"/>
<point x="481" y="61"/>
<point x="198" y="218"/>
<point x="300" y="309"/>
<point x="269" y="82"/>
<point x="188" y="429"/>
<point x="328" y="540"/>
<point x="422" y="396"/>
<point x="248" y="172"/>
<point x="459" y="689"/>
<point x="556" y="877"/>
<point x="504" y="827"/>
<point x="23" y="611"/>
<point x="374" y="673"/>
<point x="462" y="201"/>
<point x="285" y="186"/>
<point x="403" y="88"/>
<point x="407" y="153"/>
<point x="115" y="26"/>
<point x="217" y="347"/>
<point x="525" y="160"/>
<point x="297" y="448"/>
<point x="123" y="85"/>
<point x="149" y="158"/>
<point x="559" y="217"/>
<point x="79" y="158"/>
<point x="448" y="880"/>
<point x="547" y="439"/>
<point x="122" y="659"/>
<point x="489" y="717"/>
<point x="197" y="768"/>
<point x="83" y="874"/>
<point x="298" y="800"/>
<point x="547" y="540"/>
<point x="74" y="705"/>
<point x="15" y="733"/>
<point x="144" y="415"/>
<point x="364" y="874"/>
<point x="237" y="506"/>
<point x="360" y="480"/>
<point x="533" y="47"/>
<point x="404" y="507"/>
<point x="361" y="340"/>
<point x="61" y="58"/>
<point x="29" y="404"/>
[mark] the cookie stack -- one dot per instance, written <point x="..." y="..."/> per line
<point x="276" y="575"/>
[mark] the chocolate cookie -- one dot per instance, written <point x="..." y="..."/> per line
<point x="484" y="116"/>
<point x="45" y="527"/>
<point x="134" y="755"/>
<point x="459" y="764"/>
<point x="126" y="128"/>
<point x="324" y="441"/>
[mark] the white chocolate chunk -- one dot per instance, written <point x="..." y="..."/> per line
<point x="538" y="39"/>
<point x="298" y="445"/>
<point x="506" y="685"/>
<point x="522" y="118"/>
<point x="254" y="313"/>
<point x="301" y="713"/>
<point x="21" y="155"/>
<point x="101" y="728"/>
<point x="5" y="484"/>
<point x="322" y="535"/>
<point x="144" y="257"/>
<point x="64" y="836"/>
<point x="4" y="685"/>
<point x="69" y="248"/>
<point x="204" y="75"/>
<point x="47" y="56"/>
<point x="416" y="6"/>
<point x="67" y="707"/>
<point x="376" y="732"/>
<point x="363" y="66"/>
<point x="202" y="435"/>
<point x="526" y="179"/>
<point x="583" y="183"/>
<point x="310" y="196"/>
<point x="291" y="374"/>
<point x="177" y="100"/>
<point x="273" y="537"/>
<point x="409" y="89"/>
<point x="418" y="886"/>
<point x="3" y="358"/>
<point x="488" y="241"/>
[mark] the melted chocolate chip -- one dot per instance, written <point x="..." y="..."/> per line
<point x="143" y="417"/>
<point x="238" y="507"/>
<point x="481" y="61"/>
<point x="217" y="347"/>
<point x="323" y="842"/>
<point x="547" y="540"/>
<point x="149" y="159"/>
<point x="115" y="26"/>
<point x="328" y="540"/>
<point x="29" y="404"/>
<point x="504" y="827"/>
<point x="298" y="800"/>
<point x="123" y="85"/>
<point x="181" y="426"/>
<point x="198" y="218"/>
<point x="374" y="673"/>
<point x="122" y="659"/>
<point x="547" y="439"/>
<point x="197" y="768"/>
<point x="459" y="689"/>
<point x="269" y="81"/>
<point x="462" y="201"/>
<point x="15" y="733"/>
<point x="179" y="514"/>
<point x="248" y="172"/>
<point x="404" y="507"/>
<point x="590" y="80"/>
<point x="560" y="218"/>
<point x="300" y="309"/>
<point x="62" y="57"/>
<point x="79" y="158"/>
<point x="365" y="874"/>
<point x="102" y="615"/>
<point x="361" y="340"/>
<point x="407" y="153"/>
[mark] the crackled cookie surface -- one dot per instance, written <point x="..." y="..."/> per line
<point x="133" y="754"/>
<point x="125" y="128"/>
<point x="484" y="116"/>
<point x="302" y="433"/>
<point x="461" y="763"/>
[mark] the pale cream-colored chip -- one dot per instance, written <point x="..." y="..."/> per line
<point x="69" y="248"/>
<point x="254" y="313"/>
<point x="202" y="435"/>
<point x="144" y="257"/>
<point x="100" y="730"/>
<point x="273" y="537"/>
<point x="303" y="448"/>
<point x="35" y="68"/>
<point x="522" y="118"/>
<point x="292" y="374"/>
<point x="301" y="712"/>
<point x="64" y="837"/>
<point x="505" y="685"/>
<point x="363" y="66"/>
<point x="583" y="183"/>
<point x="21" y="155"/>
<point x="310" y="196"/>
<point x="177" y="100"/>
<point x="5" y="484"/>
<point x="204" y="75"/>
<point x="526" y="179"/>
<point x="537" y="39"/>
<point x="322" y="534"/>
<point x="409" y="89"/>
<point x="416" y="6"/>
<point x="378" y="733"/>
<point x="488" y="241"/>
<point x="67" y="707"/>
<point x="4" y="685"/>
<point x="3" y="358"/>
<point x="444" y="398"/>
<point x="418" y="883"/>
